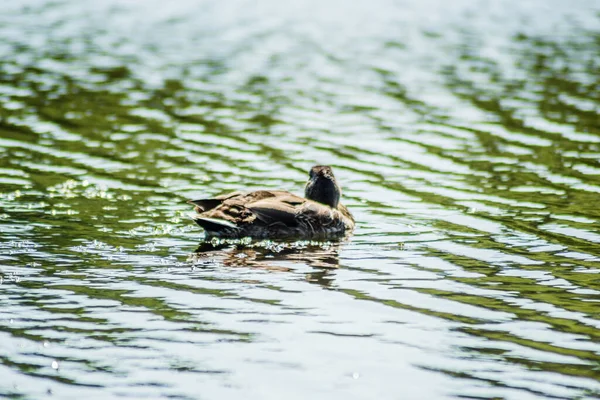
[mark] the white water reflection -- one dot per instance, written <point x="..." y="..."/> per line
<point x="465" y="137"/>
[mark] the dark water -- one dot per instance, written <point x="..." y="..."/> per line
<point x="466" y="135"/>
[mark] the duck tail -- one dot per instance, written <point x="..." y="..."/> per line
<point x="203" y="205"/>
<point x="214" y="225"/>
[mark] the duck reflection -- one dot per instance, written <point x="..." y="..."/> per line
<point x="274" y="257"/>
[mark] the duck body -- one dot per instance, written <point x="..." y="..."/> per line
<point x="277" y="214"/>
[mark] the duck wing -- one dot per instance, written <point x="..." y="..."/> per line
<point x="281" y="208"/>
<point x="294" y="211"/>
<point x="208" y="204"/>
<point x="244" y="207"/>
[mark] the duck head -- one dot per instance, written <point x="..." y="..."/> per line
<point x="322" y="186"/>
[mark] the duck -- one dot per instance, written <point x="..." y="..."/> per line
<point x="278" y="214"/>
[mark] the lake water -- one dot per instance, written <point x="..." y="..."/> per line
<point x="466" y="136"/>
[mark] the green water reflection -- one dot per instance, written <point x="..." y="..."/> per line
<point x="467" y="142"/>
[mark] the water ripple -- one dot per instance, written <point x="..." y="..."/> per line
<point x="466" y="139"/>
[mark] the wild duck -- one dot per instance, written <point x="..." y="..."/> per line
<point x="277" y="214"/>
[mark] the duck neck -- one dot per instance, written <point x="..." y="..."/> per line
<point x="323" y="190"/>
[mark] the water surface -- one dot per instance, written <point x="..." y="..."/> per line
<point x="466" y="136"/>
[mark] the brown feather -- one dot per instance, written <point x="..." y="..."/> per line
<point x="277" y="213"/>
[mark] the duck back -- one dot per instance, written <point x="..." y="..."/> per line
<point x="270" y="214"/>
